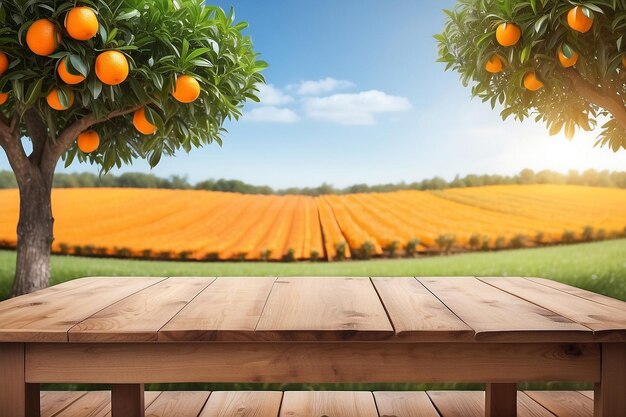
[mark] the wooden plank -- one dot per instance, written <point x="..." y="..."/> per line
<point x="52" y="402"/>
<point x="564" y="403"/>
<point x="607" y="323"/>
<point x="48" y="319"/>
<point x="12" y="382"/>
<point x="501" y="400"/>
<point x="228" y="309"/>
<point x="498" y="316"/>
<point x="328" y="403"/>
<point x="177" y="404"/>
<point x="472" y="404"/>
<point x="311" y="362"/>
<point x="404" y="404"/>
<point x="609" y="394"/>
<point x="138" y="317"/>
<point x="323" y="309"/>
<point x="97" y="404"/>
<point x="588" y="394"/>
<point x="33" y="400"/>
<point x="127" y="400"/>
<point x="416" y="314"/>
<point x="579" y="292"/>
<point x="243" y="404"/>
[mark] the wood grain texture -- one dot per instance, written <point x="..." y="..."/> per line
<point x="404" y="404"/>
<point x="472" y="404"/>
<point x="138" y="317"/>
<point x="416" y="314"/>
<point x="579" y="292"/>
<point x="323" y="309"/>
<point x="52" y="402"/>
<point x="328" y="403"/>
<point x="610" y="393"/>
<point x="12" y="380"/>
<point x="177" y="404"/>
<point x="228" y="309"/>
<point x="501" y="400"/>
<point x="311" y="362"/>
<point x="94" y="404"/>
<point x="49" y="318"/>
<point x="498" y="316"/>
<point x="243" y="404"/>
<point x="607" y="322"/>
<point x="564" y="403"/>
<point x="127" y="400"/>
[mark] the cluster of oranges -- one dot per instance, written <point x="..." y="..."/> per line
<point x="508" y="34"/>
<point x="81" y="23"/>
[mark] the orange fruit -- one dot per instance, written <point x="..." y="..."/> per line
<point x="494" y="65"/>
<point x="111" y="67"/>
<point x="142" y="124"/>
<point x="4" y="62"/>
<point x="54" y="101"/>
<point x="88" y="141"/>
<point x="66" y="76"/>
<point x="580" y="19"/>
<point x="531" y="82"/>
<point x="81" y="23"/>
<point x="508" y="34"/>
<point x="564" y="60"/>
<point x="3" y="98"/>
<point x="186" y="89"/>
<point x="42" y="37"/>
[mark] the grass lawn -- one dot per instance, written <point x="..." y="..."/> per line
<point x="598" y="266"/>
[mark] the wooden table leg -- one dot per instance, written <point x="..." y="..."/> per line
<point x="501" y="400"/>
<point x="610" y="393"/>
<point x="17" y="398"/>
<point x="127" y="400"/>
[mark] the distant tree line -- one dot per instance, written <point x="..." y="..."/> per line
<point x="591" y="177"/>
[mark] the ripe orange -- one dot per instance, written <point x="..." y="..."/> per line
<point x="111" y="67"/>
<point x="88" y="141"/>
<point x="564" y="60"/>
<point x="580" y="19"/>
<point x="186" y="89"/>
<point x="81" y="23"/>
<point x="142" y="124"/>
<point x="66" y="76"/>
<point x="3" y="98"/>
<point x="54" y="101"/>
<point x="531" y="82"/>
<point x="42" y="37"/>
<point x="4" y="62"/>
<point x="494" y="65"/>
<point x="508" y="34"/>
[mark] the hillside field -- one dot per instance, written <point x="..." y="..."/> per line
<point x="203" y="225"/>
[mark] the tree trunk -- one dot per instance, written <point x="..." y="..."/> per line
<point x="34" y="236"/>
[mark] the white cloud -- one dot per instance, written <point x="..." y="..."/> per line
<point x="354" y="109"/>
<point x="271" y="114"/>
<point x="323" y="86"/>
<point x="273" y="96"/>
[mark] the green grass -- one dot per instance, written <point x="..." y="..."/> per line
<point x="598" y="267"/>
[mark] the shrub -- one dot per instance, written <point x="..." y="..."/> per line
<point x="445" y="242"/>
<point x="77" y="250"/>
<point x="89" y="250"/>
<point x="410" y="250"/>
<point x="314" y="256"/>
<point x="601" y="234"/>
<point x="475" y="241"/>
<point x="184" y="255"/>
<point x="212" y="257"/>
<point x="539" y="238"/>
<point x="122" y="252"/>
<point x="391" y="249"/>
<point x="241" y="256"/>
<point x="341" y="251"/>
<point x="500" y="243"/>
<point x="568" y="236"/>
<point x="146" y="253"/>
<point x="164" y="255"/>
<point x="290" y="255"/>
<point x="64" y="249"/>
<point x="518" y="241"/>
<point x="366" y="251"/>
<point x="265" y="255"/>
<point x="587" y="234"/>
<point x="485" y="243"/>
<point x="100" y="251"/>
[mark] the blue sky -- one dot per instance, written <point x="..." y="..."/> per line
<point x="354" y="95"/>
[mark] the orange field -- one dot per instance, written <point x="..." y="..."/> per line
<point x="182" y="224"/>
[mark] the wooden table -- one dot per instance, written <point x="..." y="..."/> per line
<point x="131" y="331"/>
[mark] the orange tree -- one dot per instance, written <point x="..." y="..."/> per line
<point x="562" y="62"/>
<point x="106" y="82"/>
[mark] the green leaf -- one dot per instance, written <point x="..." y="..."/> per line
<point x="34" y="92"/>
<point x="75" y="65"/>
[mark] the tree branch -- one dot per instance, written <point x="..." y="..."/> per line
<point x="54" y="150"/>
<point x="613" y="104"/>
